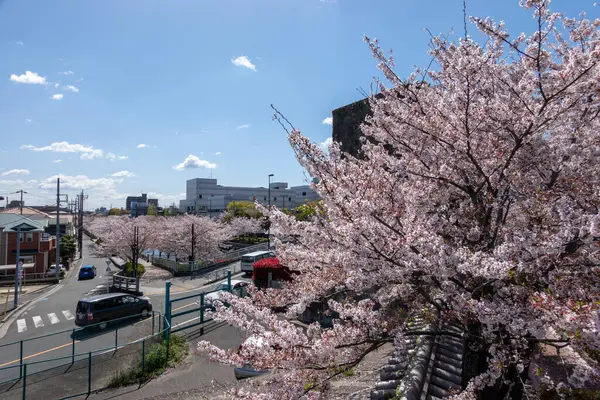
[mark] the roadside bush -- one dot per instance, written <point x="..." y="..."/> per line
<point x="250" y="239"/>
<point x="128" y="268"/>
<point x="156" y="362"/>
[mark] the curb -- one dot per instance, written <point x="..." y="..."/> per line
<point x="14" y="310"/>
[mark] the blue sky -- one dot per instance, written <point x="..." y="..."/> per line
<point x="193" y="80"/>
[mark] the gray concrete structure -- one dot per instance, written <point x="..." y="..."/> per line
<point x="204" y="195"/>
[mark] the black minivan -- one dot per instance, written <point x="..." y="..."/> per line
<point x="106" y="307"/>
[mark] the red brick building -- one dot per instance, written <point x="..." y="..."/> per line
<point x="37" y="248"/>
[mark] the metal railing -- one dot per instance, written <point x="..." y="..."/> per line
<point x="125" y="283"/>
<point x="201" y="306"/>
<point x="223" y="258"/>
<point x="82" y="350"/>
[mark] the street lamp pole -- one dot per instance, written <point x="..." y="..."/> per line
<point x="269" y="233"/>
<point x="270" y="176"/>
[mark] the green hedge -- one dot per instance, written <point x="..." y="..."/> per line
<point x="128" y="268"/>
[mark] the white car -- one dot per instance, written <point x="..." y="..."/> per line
<point x="247" y="371"/>
<point x="238" y="288"/>
<point x="53" y="271"/>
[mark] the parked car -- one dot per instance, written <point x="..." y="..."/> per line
<point x="87" y="272"/>
<point x="238" y="288"/>
<point x="53" y="270"/>
<point x="104" y="308"/>
<point x="246" y="371"/>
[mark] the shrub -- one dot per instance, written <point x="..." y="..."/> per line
<point x="129" y="269"/>
<point x="156" y="362"/>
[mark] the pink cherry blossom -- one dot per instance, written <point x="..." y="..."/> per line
<point x="477" y="185"/>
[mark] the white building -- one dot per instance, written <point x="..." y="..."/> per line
<point x="205" y="195"/>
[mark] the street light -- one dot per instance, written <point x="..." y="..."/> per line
<point x="269" y="233"/>
<point x="270" y="176"/>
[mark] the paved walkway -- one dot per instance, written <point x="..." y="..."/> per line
<point x="7" y="296"/>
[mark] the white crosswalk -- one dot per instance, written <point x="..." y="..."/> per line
<point x="38" y="320"/>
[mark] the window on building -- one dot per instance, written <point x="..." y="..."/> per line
<point x="27" y="237"/>
<point x="290" y="199"/>
<point x="199" y="196"/>
<point x="303" y="193"/>
<point x="274" y="198"/>
<point x="265" y="198"/>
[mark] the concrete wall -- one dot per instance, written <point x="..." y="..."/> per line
<point x="346" y="125"/>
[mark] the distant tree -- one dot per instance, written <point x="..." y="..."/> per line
<point x="114" y="211"/>
<point x="308" y="210"/>
<point x="152" y="210"/>
<point x="241" y="209"/>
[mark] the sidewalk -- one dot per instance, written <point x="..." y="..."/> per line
<point x="156" y="285"/>
<point x="7" y="295"/>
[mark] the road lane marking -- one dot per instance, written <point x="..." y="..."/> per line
<point x="175" y="309"/>
<point x="53" y="318"/>
<point x="68" y="315"/>
<point x="37" y="321"/>
<point x="40" y="353"/>
<point x="21" y="325"/>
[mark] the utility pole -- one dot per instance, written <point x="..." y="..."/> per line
<point x="21" y="203"/>
<point x="18" y="267"/>
<point x="80" y="230"/>
<point x="57" y="260"/>
<point x="192" y="258"/>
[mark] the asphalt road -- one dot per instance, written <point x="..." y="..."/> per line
<point x="46" y="330"/>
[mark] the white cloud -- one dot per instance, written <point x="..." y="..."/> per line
<point x="245" y="126"/>
<point x="20" y="43"/>
<point x="112" y="157"/>
<point x="16" y="172"/>
<point x="57" y="96"/>
<point x="79" y="182"/>
<point x="57" y="85"/>
<point x="325" y="145"/>
<point x="145" y="146"/>
<point x="57" y="161"/>
<point x="61" y="147"/>
<point x="29" y="77"/>
<point x="87" y="152"/>
<point x="328" y="121"/>
<point x="123" y="174"/>
<point x="71" y="88"/>
<point x="218" y="153"/>
<point x="243" y="61"/>
<point x="28" y="120"/>
<point x="192" y="161"/>
<point x="90" y="155"/>
<point x="66" y="73"/>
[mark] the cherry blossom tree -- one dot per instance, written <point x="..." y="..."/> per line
<point x="243" y="226"/>
<point x="475" y="195"/>
<point x="208" y="234"/>
<point x="117" y="234"/>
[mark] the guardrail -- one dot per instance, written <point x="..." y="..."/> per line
<point x="79" y="346"/>
<point x="199" y="310"/>
<point x="125" y="283"/>
<point x="200" y="267"/>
